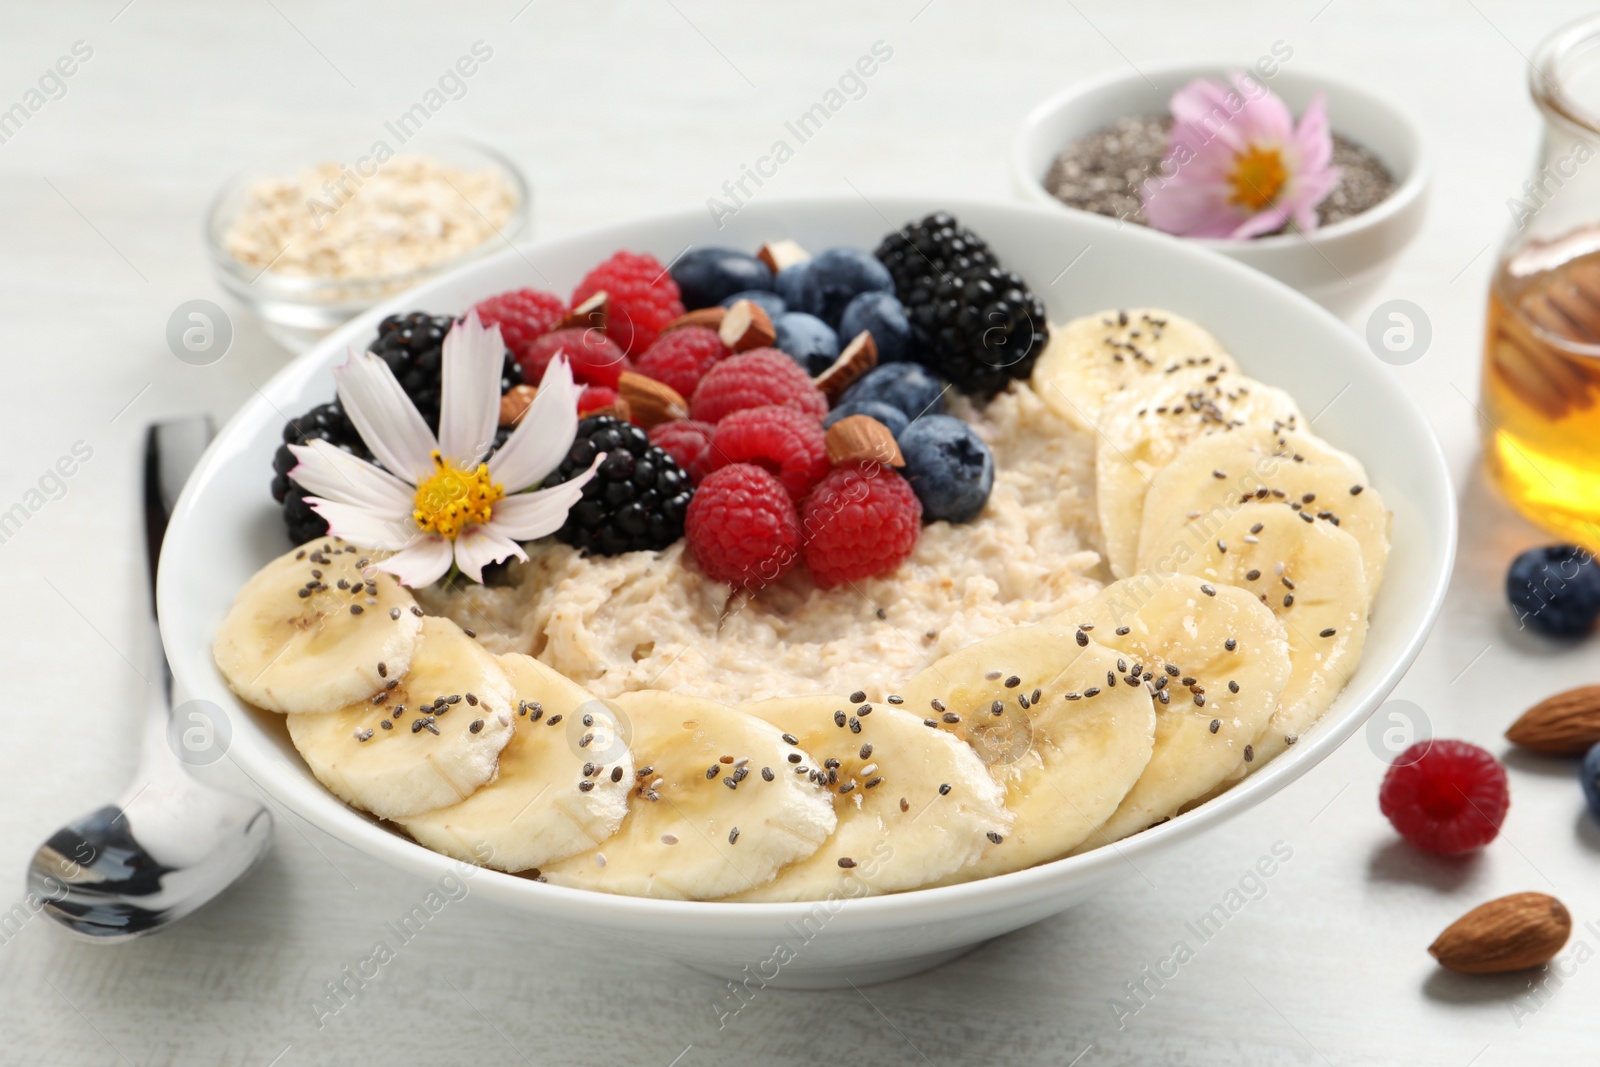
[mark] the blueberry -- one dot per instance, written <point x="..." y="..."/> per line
<point x="1555" y="590"/>
<point x="837" y="276"/>
<point x="1589" y="777"/>
<point x="807" y="340"/>
<point x="891" y="417"/>
<point x="911" y="387"/>
<point x="880" y="314"/>
<point x="787" y="283"/>
<point x="949" y="467"/>
<point x="768" y="301"/>
<point x="706" y="275"/>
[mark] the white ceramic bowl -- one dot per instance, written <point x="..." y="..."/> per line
<point x="1339" y="266"/>
<point x="226" y="526"/>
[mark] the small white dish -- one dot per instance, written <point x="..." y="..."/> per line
<point x="225" y="526"/>
<point x="1339" y="266"/>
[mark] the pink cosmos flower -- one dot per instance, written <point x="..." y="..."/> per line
<point x="1237" y="166"/>
<point x="436" y="501"/>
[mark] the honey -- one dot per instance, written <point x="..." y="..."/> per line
<point x="1541" y="384"/>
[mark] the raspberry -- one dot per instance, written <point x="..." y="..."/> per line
<point x="752" y="379"/>
<point x="522" y="315"/>
<point x="742" y="527"/>
<point x="780" y="440"/>
<point x="682" y="357"/>
<point x="685" y="441"/>
<point x="859" y="522"/>
<point x="644" y="298"/>
<point x="1445" y="796"/>
<point x="595" y="398"/>
<point x="595" y="358"/>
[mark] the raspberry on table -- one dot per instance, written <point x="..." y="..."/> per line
<point x="742" y="528"/>
<point x="595" y="358"/>
<point x="686" y="441"/>
<point x="681" y="357"/>
<point x="860" y="521"/>
<point x="780" y="440"/>
<point x="644" y="298"/>
<point x="522" y="315"/>
<point x="1447" y="797"/>
<point x="752" y="379"/>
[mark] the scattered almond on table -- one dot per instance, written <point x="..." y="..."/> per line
<point x="1510" y="933"/>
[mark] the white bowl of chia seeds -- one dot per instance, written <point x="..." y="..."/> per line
<point x="1090" y="147"/>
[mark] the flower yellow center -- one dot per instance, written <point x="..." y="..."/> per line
<point x="452" y="499"/>
<point x="1258" y="175"/>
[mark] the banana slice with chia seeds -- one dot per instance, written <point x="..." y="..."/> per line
<point x="317" y="629"/>
<point x="1213" y="476"/>
<point x="1216" y="660"/>
<point x="1096" y="357"/>
<point x="1059" y="729"/>
<point x="429" y="741"/>
<point x="914" y="804"/>
<point x="717" y="809"/>
<point x="1141" y="431"/>
<point x="1310" y="576"/>
<point x="563" y="783"/>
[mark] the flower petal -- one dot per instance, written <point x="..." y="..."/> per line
<point x="529" y="516"/>
<point x="364" y="527"/>
<point x="1265" y="119"/>
<point x="1268" y="220"/>
<point x="469" y="412"/>
<point x="334" y="474"/>
<point x="541" y="440"/>
<point x="1313" y="137"/>
<point x="385" y="417"/>
<point x="483" y="544"/>
<point x="422" y="562"/>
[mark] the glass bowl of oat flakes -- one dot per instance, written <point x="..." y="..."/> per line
<point x="309" y="242"/>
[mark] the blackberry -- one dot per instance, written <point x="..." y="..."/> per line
<point x="412" y="345"/>
<point x="635" y="501"/>
<point x="973" y="322"/>
<point x="325" y="422"/>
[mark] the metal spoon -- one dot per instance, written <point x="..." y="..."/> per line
<point x="169" y="844"/>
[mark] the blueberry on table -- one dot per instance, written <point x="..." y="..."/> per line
<point x="807" y="340"/>
<point x="1555" y="589"/>
<point x="768" y="301"/>
<point x="705" y="276"/>
<point x="881" y="315"/>
<point x="892" y="417"/>
<point x="949" y="467"/>
<point x="910" y="387"/>
<point x="1589" y="777"/>
<point x="837" y="276"/>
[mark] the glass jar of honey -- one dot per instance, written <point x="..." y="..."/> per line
<point x="1541" y="368"/>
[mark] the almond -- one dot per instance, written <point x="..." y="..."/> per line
<point x="595" y="312"/>
<point x="1567" y="724"/>
<point x="515" y="403"/>
<point x="746" y="326"/>
<point x="650" y="401"/>
<point x="780" y="254"/>
<point x="710" y="318"/>
<point x="862" y="439"/>
<point x="858" y="357"/>
<point x="1508" y="934"/>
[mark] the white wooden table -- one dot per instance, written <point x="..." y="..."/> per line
<point x="616" y="108"/>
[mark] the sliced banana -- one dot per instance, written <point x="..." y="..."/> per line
<point x="699" y="828"/>
<point x="448" y="718"/>
<point x="914" y="804"/>
<point x="1216" y="659"/>
<point x="563" y="784"/>
<point x="308" y="631"/>
<point x="1141" y="431"/>
<point x="1310" y="576"/>
<point x="1097" y="356"/>
<point x="1214" y="475"/>
<point x="1068" y="742"/>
